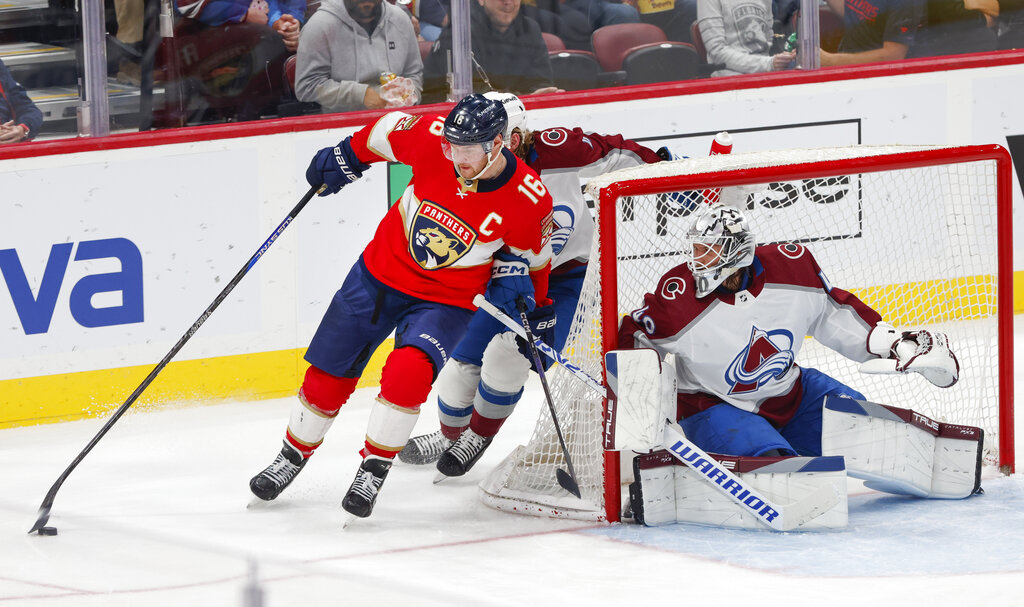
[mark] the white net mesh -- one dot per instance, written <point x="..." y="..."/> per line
<point x="919" y="245"/>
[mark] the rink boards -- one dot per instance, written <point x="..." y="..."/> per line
<point x="109" y="253"/>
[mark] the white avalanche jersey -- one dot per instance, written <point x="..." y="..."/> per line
<point x="741" y="348"/>
<point x="563" y="157"/>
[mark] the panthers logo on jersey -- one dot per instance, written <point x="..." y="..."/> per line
<point x="768" y="355"/>
<point x="437" y="239"/>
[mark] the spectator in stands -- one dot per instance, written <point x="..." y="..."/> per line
<point x="606" y="12"/>
<point x="874" y="30"/>
<point x="128" y="39"/>
<point x="285" y="17"/>
<point x="347" y="45"/>
<point x="674" y="17"/>
<point x="232" y="53"/>
<point x="430" y="17"/>
<point x="20" y="119"/>
<point x="509" y="53"/>
<point x="738" y="35"/>
<point x="953" y="27"/>
<point x="558" y="18"/>
<point x="1011" y="24"/>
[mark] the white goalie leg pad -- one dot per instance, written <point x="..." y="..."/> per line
<point x="390" y="426"/>
<point x="901" y="451"/>
<point x="642" y="395"/>
<point x="456" y="386"/>
<point x="667" y="491"/>
<point x="307" y="424"/>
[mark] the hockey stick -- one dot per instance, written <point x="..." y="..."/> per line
<point x="787" y="516"/>
<point x="482" y="303"/>
<point x="44" y="508"/>
<point x="566" y="480"/>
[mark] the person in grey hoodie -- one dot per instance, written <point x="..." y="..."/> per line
<point x="345" y="48"/>
<point x="738" y="35"/>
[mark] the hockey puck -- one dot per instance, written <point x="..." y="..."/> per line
<point x="47" y="531"/>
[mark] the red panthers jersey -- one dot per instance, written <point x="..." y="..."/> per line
<point x="741" y="348"/>
<point x="438" y="241"/>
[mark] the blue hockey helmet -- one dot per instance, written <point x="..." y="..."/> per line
<point x="475" y="119"/>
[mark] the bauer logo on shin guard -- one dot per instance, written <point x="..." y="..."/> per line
<point x="713" y="471"/>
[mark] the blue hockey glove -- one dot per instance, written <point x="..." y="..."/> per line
<point x="685" y="201"/>
<point x="666" y="154"/>
<point x="510" y="278"/>
<point x="335" y="167"/>
<point x="542" y="324"/>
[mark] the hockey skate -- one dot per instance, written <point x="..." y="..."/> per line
<point x="363" y="493"/>
<point x="425" y="449"/>
<point x="272" y="481"/>
<point x="460" y="457"/>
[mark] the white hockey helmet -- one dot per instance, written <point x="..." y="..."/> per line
<point x="516" y="113"/>
<point x="718" y="244"/>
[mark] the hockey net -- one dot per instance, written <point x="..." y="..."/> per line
<point x="921" y="234"/>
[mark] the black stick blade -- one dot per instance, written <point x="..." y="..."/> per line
<point x="567" y="482"/>
<point x="41" y="520"/>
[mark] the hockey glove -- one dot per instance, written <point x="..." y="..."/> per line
<point x="921" y="351"/>
<point x="510" y="278"/>
<point x="335" y="167"/>
<point x="687" y="201"/>
<point x="542" y="324"/>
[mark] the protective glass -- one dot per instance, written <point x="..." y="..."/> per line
<point x="465" y="154"/>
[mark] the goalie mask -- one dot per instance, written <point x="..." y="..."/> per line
<point x="718" y="243"/>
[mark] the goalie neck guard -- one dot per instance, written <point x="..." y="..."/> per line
<point x="717" y="244"/>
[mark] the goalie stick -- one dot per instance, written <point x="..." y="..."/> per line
<point x="566" y="480"/>
<point x="47" y="505"/>
<point x="776" y="516"/>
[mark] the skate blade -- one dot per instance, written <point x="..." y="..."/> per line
<point x="349" y="519"/>
<point x="441" y="477"/>
<point x="256" y="503"/>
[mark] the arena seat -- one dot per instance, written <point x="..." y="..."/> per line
<point x="660" y="62"/>
<point x="612" y="42"/>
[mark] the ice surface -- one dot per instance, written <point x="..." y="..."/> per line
<point x="160" y="514"/>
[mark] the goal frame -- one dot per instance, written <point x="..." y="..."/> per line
<point x="609" y="195"/>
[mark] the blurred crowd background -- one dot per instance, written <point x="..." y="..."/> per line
<point x="173" y="63"/>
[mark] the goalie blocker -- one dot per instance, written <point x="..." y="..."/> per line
<point x="893" y="450"/>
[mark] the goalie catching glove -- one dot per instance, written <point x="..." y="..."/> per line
<point x="922" y="351"/>
<point x="335" y="167"/>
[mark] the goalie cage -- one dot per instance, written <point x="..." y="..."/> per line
<point x="921" y="234"/>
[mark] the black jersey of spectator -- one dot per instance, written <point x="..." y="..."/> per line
<point x="514" y="61"/>
<point x="868" y="24"/>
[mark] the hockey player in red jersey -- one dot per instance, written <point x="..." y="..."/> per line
<point x="471" y="209"/>
<point x="734" y="318"/>
<point x="482" y="383"/>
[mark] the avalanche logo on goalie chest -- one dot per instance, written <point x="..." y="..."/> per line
<point x="437" y="238"/>
<point x="767" y="355"/>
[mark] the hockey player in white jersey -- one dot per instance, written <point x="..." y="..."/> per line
<point x="734" y="317"/>
<point x="482" y="382"/>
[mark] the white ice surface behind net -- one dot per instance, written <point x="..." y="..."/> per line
<point x="159" y="514"/>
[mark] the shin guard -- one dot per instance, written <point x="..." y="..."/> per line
<point x="502" y="376"/>
<point x="901" y="451"/>
<point x="320" y="398"/>
<point x="667" y="491"/>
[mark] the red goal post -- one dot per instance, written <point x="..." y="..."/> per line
<point x="922" y="234"/>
